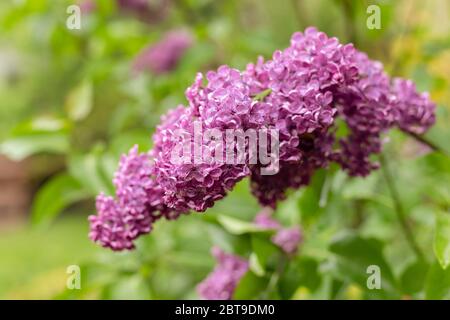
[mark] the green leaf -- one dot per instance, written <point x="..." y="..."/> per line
<point x="132" y="287"/>
<point x="355" y="254"/>
<point x="38" y="135"/>
<point x="255" y="265"/>
<point x="309" y="200"/>
<point x="266" y="253"/>
<point x="89" y="171"/>
<point x="250" y="286"/>
<point x="59" y="192"/>
<point x="125" y="141"/>
<point x="41" y="124"/>
<point x="437" y="283"/>
<point x="300" y="272"/>
<point x="20" y="147"/>
<point x="229" y="242"/>
<point x="442" y="239"/>
<point x="413" y="278"/>
<point x="240" y="203"/>
<point x="79" y="101"/>
<point x="236" y="226"/>
<point x="360" y="188"/>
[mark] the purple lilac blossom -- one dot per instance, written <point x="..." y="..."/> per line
<point x="366" y="109"/>
<point x="147" y="11"/>
<point x="307" y="88"/>
<point x="264" y="219"/>
<point x="316" y="81"/>
<point x="163" y="56"/>
<point x="137" y="205"/>
<point x="302" y="80"/>
<point x="288" y="239"/>
<point x="221" y="283"/>
<point x="415" y="111"/>
<point x="195" y="184"/>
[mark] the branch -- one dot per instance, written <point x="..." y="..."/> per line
<point x="399" y="210"/>
<point x="426" y="142"/>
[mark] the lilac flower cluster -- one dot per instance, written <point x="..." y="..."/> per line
<point x="312" y="84"/>
<point x="303" y="81"/>
<point x="137" y="205"/>
<point x="196" y="185"/>
<point x="415" y="111"/>
<point x="163" y="56"/>
<point x="147" y="11"/>
<point x="221" y="283"/>
<point x="305" y="92"/>
<point x="288" y="239"/>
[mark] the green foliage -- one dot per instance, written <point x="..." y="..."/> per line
<point x="43" y="134"/>
<point x="302" y="272"/>
<point x="79" y="101"/>
<point x="355" y="255"/>
<point x="438" y="283"/>
<point x="54" y="196"/>
<point x="442" y="239"/>
<point x="413" y="278"/>
<point x="250" y="287"/>
<point x="236" y="226"/>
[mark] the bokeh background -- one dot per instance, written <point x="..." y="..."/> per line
<point x="72" y="101"/>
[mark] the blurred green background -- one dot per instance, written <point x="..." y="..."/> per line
<point x="70" y="105"/>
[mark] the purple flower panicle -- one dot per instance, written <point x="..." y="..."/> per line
<point x="288" y="239"/>
<point x="304" y="92"/>
<point x="191" y="185"/>
<point x="264" y="220"/>
<point x="137" y="205"/>
<point x="163" y="56"/>
<point x="415" y="111"/>
<point x="221" y="283"/>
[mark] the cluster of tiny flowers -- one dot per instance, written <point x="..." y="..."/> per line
<point x="196" y="185"/>
<point x="415" y="111"/>
<point x="288" y="239"/>
<point x="147" y="11"/>
<point x="221" y="283"/>
<point x="305" y="92"/>
<point x="303" y="81"/>
<point x="163" y="56"/>
<point x="312" y="84"/>
<point x="137" y="205"/>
